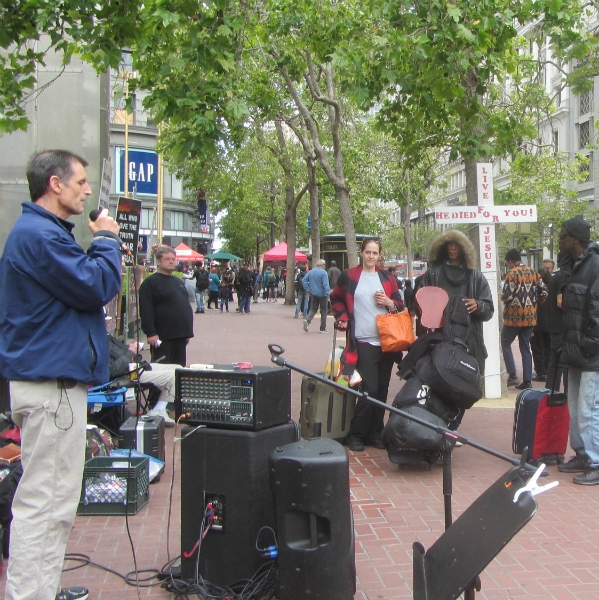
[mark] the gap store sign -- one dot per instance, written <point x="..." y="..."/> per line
<point x="142" y="171"/>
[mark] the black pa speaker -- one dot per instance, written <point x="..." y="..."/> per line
<point x="228" y="470"/>
<point x="315" y="529"/>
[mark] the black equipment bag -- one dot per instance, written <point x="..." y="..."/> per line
<point x="416" y="393"/>
<point x="452" y="373"/>
<point x="456" y="320"/>
<point x="400" y="432"/>
<point x="8" y="487"/>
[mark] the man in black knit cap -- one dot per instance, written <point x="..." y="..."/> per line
<point x="166" y="315"/>
<point x="580" y="350"/>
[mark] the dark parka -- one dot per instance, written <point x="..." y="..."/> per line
<point x="477" y="287"/>
<point x="581" y="312"/>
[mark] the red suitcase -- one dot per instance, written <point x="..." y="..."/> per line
<point x="541" y="425"/>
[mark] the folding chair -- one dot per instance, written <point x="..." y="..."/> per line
<point x="107" y="396"/>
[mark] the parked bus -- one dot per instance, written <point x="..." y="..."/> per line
<point x="418" y="268"/>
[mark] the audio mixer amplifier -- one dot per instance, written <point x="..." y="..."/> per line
<point x="231" y="398"/>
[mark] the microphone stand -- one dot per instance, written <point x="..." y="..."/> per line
<point x="518" y="475"/>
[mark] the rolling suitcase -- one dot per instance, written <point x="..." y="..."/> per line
<point x="325" y="412"/>
<point x="542" y="424"/>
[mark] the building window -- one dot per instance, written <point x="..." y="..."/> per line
<point x="176" y="188"/>
<point x="558" y="97"/>
<point x="588" y="169"/>
<point x="147" y="218"/>
<point x="585" y="102"/>
<point x="583" y="134"/>
<point x="177" y="220"/>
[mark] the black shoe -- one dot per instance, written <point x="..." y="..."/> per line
<point x="511" y="380"/>
<point x="198" y="312"/>
<point x="525" y="385"/>
<point x="375" y="440"/>
<point x="590" y="477"/>
<point x="541" y="378"/>
<point x="74" y="593"/>
<point x="577" y="464"/>
<point x="355" y="443"/>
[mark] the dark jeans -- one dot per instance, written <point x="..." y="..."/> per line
<point x="540" y="344"/>
<point x="244" y="303"/>
<point x="375" y="367"/>
<point x="317" y="302"/>
<point x="508" y="335"/>
<point x="173" y="351"/>
<point x="212" y="297"/>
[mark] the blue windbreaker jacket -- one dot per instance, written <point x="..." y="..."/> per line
<point x="51" y="298"/>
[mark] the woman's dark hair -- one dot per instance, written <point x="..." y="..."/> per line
<point x="366" y="241"/>
<point x="47" y="164"/>
<point x="408" y="283"/>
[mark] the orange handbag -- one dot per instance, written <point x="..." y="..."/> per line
<point x="395" y="330"/>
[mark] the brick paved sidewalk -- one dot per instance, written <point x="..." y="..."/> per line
<point x="555" y="556"/>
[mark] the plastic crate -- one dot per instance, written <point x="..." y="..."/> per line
<point x="108" y="480"/>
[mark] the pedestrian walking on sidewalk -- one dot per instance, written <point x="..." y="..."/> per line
<point x="316" y="283"/>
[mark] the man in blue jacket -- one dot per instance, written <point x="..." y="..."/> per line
<point x="52" y="346"/>
<point x="316" y="283"/>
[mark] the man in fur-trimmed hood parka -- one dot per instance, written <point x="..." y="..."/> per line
<point x="452" y="262"/>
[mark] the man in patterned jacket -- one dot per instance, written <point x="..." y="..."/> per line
<point x="523" y="292"/>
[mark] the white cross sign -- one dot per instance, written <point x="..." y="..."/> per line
<point x="487" y="214"/>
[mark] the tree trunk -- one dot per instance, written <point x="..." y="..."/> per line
<point x="335" y="172"/>
<point x="472" y="200"/>
<point x="290" y="231"/>
<point x="407" y="229"/>
<point x="314" y="210"/>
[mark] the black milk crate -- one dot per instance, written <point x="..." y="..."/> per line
<point x="105" y="487"/>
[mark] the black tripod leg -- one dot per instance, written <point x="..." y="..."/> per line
<point x="447" y="481"/>
<point x="472" y="588"/>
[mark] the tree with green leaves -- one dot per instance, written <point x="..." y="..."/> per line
<point x="185" y="53"/>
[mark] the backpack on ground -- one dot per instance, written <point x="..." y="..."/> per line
<point x="202" y="280"/>
<point x="402" y="433"/>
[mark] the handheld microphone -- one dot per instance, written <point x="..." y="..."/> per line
<point x="93" y="216"/>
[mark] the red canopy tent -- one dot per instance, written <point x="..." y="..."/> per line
<point x="186" y="254"/>
<point x="279" y="254"/>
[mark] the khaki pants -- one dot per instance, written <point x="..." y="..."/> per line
<point x="52" y="417"/>
<point x="163" y="377"/>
